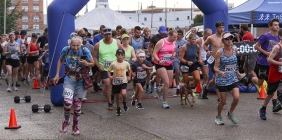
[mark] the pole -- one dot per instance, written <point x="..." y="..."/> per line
<point x="165" y="13"/>
<point x="5" y="9"/>
<point x="138" y="11"/>
<point x="152" y="15"/>
<point x="191" y="13"/>
<point x="174" y="17"/>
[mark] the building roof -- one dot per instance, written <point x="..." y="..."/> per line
<point x="104" y="16"/>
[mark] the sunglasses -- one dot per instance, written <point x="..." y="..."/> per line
<point x="120" y="54"/>
<point x="229" y="38"/>
<point x="107" y="30"/>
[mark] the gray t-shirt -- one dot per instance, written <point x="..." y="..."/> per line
<point x="178" y="46"/>
<point x="89" y="47"/>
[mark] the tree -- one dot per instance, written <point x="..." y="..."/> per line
<point x="11" y="16"/>
<point x="198" y="20"/>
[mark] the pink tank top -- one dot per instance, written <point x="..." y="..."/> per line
<point x="166" y="52"/>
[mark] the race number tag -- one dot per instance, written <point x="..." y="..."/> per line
<point x="141" y="75"/>
<point x="118" y="80"/>
<point x="14" y="56"/>
<point x="210" y="60"/>
<point x="107" y="63"/>
<point x="167" y="57"/>
<point x="230" y="68"/>
<point x="184" y="68"/>
<point x="68" y="93"/>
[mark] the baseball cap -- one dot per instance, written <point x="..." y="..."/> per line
<point x="227" y="35"/>
<point x="120" y="51"/>
<point x="34" y="36"/>
<point x="124" y="36"/>
<point x="23" y="32"/>
<point x="107" y="30"/>
<point x="162" y="29"/>
<point x="219" y="23"/>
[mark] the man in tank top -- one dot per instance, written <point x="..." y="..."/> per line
<point x="137" y="40"/>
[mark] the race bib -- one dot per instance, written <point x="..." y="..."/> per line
<point x="167" y="57"/>
<point x="230" y="68"/>
<point x="107" y="63"/>
<point x="68" y="93"/>
<point x="118" y="80"/>
<point x="210" y="60"/>
<point x="141" y="75"/>
<point x="184" y="68"/>
<point x="14" y="56"/>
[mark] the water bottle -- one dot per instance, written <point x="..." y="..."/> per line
<point x="280" y="67"/>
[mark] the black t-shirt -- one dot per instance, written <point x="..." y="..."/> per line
<point x="42" y="40"/>
<point x="155" y="39"/>
<point x="140" y="71"/>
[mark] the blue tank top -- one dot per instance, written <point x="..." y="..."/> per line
<point x="191" y="53"/>
<point x="137" y="45"/>
<point x="229" y="66"/>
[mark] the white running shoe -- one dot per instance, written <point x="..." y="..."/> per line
<point x="165" y="105"/>
<point x="15" y="88"/>
<point x="9" y="89"/>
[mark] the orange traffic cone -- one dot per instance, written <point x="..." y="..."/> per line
<point x="198" y="88"/>
<point x="13" y="121"/>
<point x="35" y="84"/>
<point x="172" y="84"/>
<point x="261" y="93"/>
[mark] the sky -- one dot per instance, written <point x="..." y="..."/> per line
<point x="133" y="4"/>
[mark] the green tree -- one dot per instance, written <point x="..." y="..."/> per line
<point x="198" y="20"/>
<point x="11" y="16"/>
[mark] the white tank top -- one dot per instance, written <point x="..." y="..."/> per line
<point x="202" y="50"/>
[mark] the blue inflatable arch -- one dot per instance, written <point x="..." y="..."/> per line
<point x="61" y="14"/>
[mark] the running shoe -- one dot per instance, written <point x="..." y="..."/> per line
<point x="205" y="93"/>
<point x="148" y="90"/>
<point x="26" y="82"/>
<point x="9" y="89"/>
<point x="262" y="114"/>
<point x="133" y="100"/>
<point x="165" y="105"/>
<point x="218" y="120"/>
<point x="95" y="87"/>
<point x="110" y="106"/>
<point x="139" y="106"/>
<point x="232" y="118"/>
<point x="276" y="107"/>
<point x="75" y="130"/>
<point x="118" y="112"/>
<point x="177" y="91"/>
<point x="64" y="127"/>
<point x="159" y="93"/>
<point x="125" y="107"/>
<point x="15" y="88"/>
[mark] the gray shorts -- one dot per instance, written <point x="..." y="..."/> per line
<point x="78" y="91"/>
<point x="176" y="65"/>
<point x="251" y="62"/>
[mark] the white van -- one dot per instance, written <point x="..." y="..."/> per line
<point x="199" y="30"/>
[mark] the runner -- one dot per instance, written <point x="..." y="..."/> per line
<point x="32" y="57"/>
<point x="129" y="50"/>
<point x="137" y="40"/>
<point x="44" y="60"/>
<point x="176" y="61"/>
<point x="106" y="49"/>
<point x="194" y="30"/>
<point x="204" y="68"/>
<point x="74" y="90"/>
<point x="147" y="38"/>
<point x="227" y="77"/>
<point x="216" y="44"/>
<point x="164" y="53"/>
<point x="119" y="79"/>
<point x="118" y="30"/>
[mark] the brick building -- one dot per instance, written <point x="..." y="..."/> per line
<point x="32" y="19"/>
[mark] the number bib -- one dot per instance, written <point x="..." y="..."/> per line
<point x="210" y="60"/>
<point x="167" y="57"/>
<point x="68" y="93"/>
<point x="14" y="56"/>
<point x="107" y="63"/>
<point x="118" y="80"/>
<point x="230" y="68"/>
<point x="184" y="68"/>
<point x="141" y="75"/>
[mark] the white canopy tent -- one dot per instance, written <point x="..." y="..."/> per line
<point x="104" y="16"/>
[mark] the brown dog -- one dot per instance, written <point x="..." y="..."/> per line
<point x="185" y="90"/>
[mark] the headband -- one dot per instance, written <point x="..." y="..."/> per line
<point x="141" y="54"/>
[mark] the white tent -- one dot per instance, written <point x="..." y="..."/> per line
<point x="104" y="16"/>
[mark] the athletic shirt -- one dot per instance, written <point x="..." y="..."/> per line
<point x="107" y="53"/>
<point x="14" y="50"/>
<point x="178" y="46"/>
<point x="32" y="48"/>
<point x="165" y="53"/>
<point x="274" y="75"/>
<point x="137" y="45"/>
<point x="228" y="65"/>
<point x="191" y="53"/>
<point x="146" y="46"/>
<point x="202" y="50"/>
<point x="45" y="60"/>
<point x="128" y="52"/>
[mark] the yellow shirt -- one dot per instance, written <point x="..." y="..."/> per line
<point x="119" y="71"/>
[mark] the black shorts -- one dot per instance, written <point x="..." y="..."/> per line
<point x="95" y="69"/>
<point x="13" y="62"/>
<point x="3" y="57"/>
<point x="45" y="73"/>
<point x="141" y="82"/>
<point x="192" y="68"/>
<point x="104" y="75"/>
<point x="212" y="67"/>
<point x="116" y="89"/>
<point x="227" y="88"/>
<point x="272" y="87"/>
<point x="166" y="67"/>
<point x="262" y="71"/>
<point x="23" y="59"/>
<point x="31" y="59"/>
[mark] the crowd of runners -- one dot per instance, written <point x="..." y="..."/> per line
<point x="116" y="58"/>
